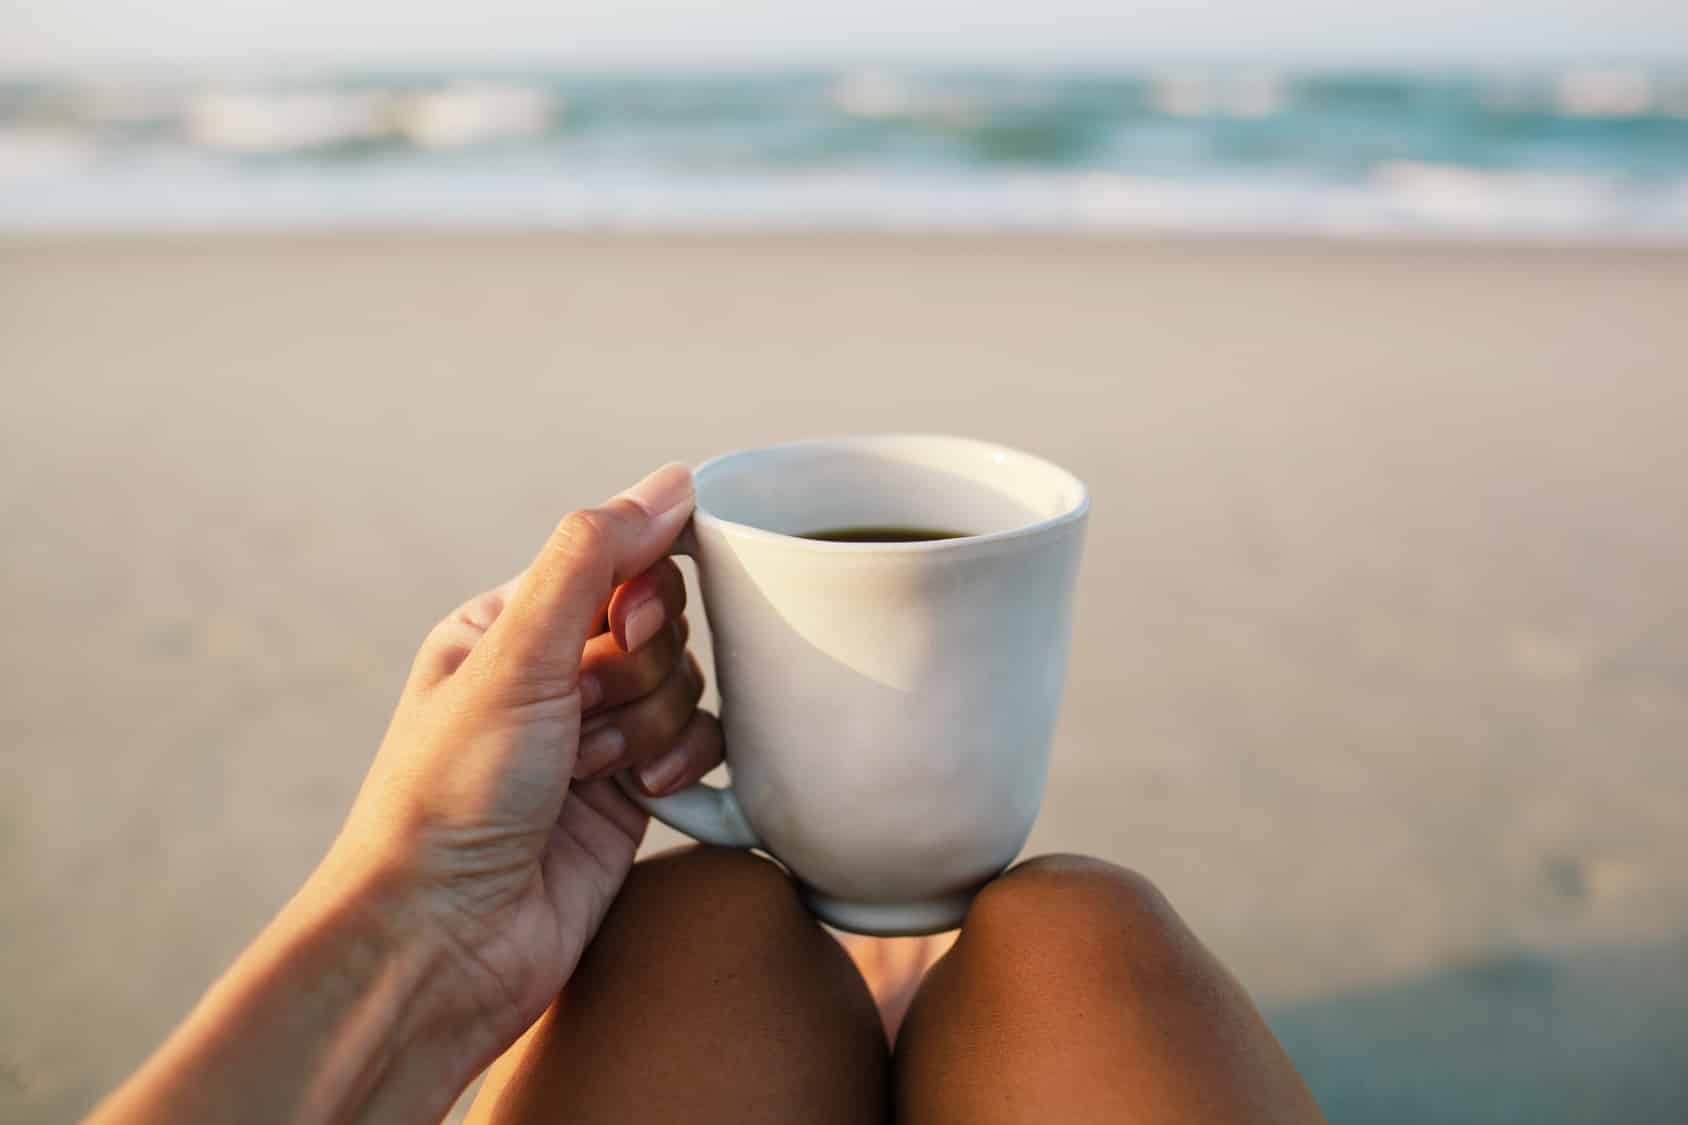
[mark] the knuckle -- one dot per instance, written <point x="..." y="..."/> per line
<point x="583" y="534"/>
<point x="482" y="610"/>
<point x="624" y="508"/>
<point x="710" y="742"/>
<point x="534" y="687"/>
<point x="668" y="576"/>
<point x="438" y="633"/>
<point x="674" y="711"/>
<point x="669" y="726"/>
<point x="446" y="635"/>
<point x="653" y="663"/>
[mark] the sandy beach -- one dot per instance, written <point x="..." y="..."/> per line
<point x="1381" y="658"/>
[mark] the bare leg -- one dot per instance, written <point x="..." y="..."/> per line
<point x="709" y="995"/>
<point x="894" y="967"/>
<point x="1075" y="994"/>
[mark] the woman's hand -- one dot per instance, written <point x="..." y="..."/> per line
<point x="491" y="797"/>
<point x="482" y="852"/>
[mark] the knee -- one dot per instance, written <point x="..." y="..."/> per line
<point x="1067" y="909"/>
<point x="708" y="888"/>
<point x="705" y="871"/>
<point x="731" y="924"/>
<point x="722" y="868"/>
<point x="1070" y="890"/>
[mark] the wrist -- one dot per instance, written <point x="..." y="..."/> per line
<point x="419" y="1032"/>
<point x="333" y="1012"/>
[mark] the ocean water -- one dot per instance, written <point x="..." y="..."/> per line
<point x="1582" y="153"/>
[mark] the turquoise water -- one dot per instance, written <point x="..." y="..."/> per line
<point x="1570" y="153"/>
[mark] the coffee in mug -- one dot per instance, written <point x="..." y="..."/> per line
<point x="881" y="534"/>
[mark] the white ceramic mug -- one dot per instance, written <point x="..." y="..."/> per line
<point x="888" y="707"/>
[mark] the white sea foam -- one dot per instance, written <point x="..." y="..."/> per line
<point x="1446" y="195"/>
<point x="44" y="152"/>
<point x="250" y="122"/>
<point x="1605" y="93"/>
<point x="466" y="114"/>
<point x="872" y="93"/>
<point x="1206" y="95"/>
<point x="131" y="103"/>
<point x="885" y="95"/>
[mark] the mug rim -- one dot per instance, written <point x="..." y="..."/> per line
<point x="1075" y="512"/>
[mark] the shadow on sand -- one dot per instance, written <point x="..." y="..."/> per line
<point x="1587" y="1037"/>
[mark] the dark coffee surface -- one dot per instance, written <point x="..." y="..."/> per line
<point x="882" y="534"/>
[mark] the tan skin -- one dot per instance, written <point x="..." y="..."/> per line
<point x="488" y="849"/>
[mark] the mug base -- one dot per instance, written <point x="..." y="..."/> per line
<point x="889" y="919"/>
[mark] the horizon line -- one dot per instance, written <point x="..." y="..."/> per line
<point x="371" y="63"/>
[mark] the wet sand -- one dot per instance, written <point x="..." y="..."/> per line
<point x="1381" y="660"/>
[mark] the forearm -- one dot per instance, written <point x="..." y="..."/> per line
<point x="394" y="977"/>
<point x="333" y="1014"/>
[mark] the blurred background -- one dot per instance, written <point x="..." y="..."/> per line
<point x="1367" y="326"/>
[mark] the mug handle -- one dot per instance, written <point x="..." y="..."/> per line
<point x="706" y="813"/>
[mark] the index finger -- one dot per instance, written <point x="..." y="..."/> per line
<point x="561" y="599"/>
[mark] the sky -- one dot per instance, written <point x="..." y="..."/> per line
<point x="51" y="34"/>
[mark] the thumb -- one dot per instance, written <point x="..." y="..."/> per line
<point x="537" y="640"/>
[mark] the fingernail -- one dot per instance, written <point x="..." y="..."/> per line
<point x="598" y="751"/>
<point x="591" y="691"/>
<point x="656" y="776"/>
<point x="666" y="489"/>
<point x="642" y="623"/>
